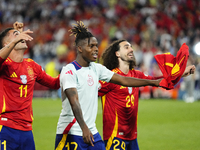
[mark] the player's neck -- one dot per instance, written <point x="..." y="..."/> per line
<point x="82" y="61"/>
<point x="17" y="56"/>
<point x="124" y="67"/>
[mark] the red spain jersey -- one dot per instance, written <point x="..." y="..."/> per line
<point x="120" y="107"/>
<point x="16" y="91"/>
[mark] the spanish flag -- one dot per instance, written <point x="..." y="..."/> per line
<point x="172" y="67"/>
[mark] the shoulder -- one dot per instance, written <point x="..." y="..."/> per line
<point x="28" y="60"/>
<point x="116" y="70"/>
<point x="96" y="64"/>
<point x="31" y="61"/>
<point x="68" y="68"/>
<point x="7" y="61"/>
<point x="138" y="73"/>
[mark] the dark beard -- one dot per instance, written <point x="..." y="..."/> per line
<point x="126" y="60"/>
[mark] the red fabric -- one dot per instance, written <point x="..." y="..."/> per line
<point x="17" y="80"/>
<point x="1" y="60"/>
<point x="66" y="131"/>
<point x="121" y="103"/>
<point x="172" y="67"/>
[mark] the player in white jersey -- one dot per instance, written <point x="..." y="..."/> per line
<point x="79" y="80"/>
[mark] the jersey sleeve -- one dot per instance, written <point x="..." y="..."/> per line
<point x="67" y="78"/>
<point x="105" y="74"/>
<point x="1" y="62"/>
<point x="104" y="87"/>
<point x="45" y="79"/>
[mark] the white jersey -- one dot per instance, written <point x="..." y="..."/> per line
<point x="85" y="80"/>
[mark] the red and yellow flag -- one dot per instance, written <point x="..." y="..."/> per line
<point x="172" y="67"/>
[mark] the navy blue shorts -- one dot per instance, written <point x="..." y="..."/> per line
<point x="12" y="139"/>
<point x="120" y="144"/>
<point x="74" y="142"/>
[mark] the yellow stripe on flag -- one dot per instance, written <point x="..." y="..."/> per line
<point x="169" y="64"/>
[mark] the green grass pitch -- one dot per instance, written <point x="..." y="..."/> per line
<point x="162" y="124"/>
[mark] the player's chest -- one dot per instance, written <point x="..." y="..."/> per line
<point x="21" y="74"/>
<point x="87" y="79"/>
<point x="123" y="90"/>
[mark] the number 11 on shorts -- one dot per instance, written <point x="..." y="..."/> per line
<point x="4" y="145"/>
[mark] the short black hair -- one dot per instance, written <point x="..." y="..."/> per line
<point x="80" y="31"/>
<point x="3" y="34"/>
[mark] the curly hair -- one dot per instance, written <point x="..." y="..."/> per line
<point x="80" y="31"/>
<point x="110" y="60"/>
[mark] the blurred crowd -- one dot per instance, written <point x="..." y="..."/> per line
<point x="151" y="26"/>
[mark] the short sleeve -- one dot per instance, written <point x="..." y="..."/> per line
<point x="105" y="74"/>
<point x="67" y="78"/>
<point x="104" y="87"/>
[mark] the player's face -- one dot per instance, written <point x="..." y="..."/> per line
<point x="12" y="35"/>
<point x="90" y="50"/>
<point x="125" y="52"/>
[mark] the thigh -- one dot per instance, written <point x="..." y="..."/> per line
<point x="8" y="139"/>
<point x="120" y="144"/>
<point x="72" y="142"/>
<point x="133" y="145"/>
<point x="27" y="140"/>
<point x="12" y="139"/>
<point x="98" y="143"/>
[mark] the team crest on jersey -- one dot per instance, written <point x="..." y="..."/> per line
<point x="23" y="79"/>
<point x="130" y="89"/>
<point x="90" y="80"/>
<point x="30" y="72"/>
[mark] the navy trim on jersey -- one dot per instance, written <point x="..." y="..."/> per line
<point x="76" y="65"/>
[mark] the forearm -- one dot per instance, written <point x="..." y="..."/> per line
<point x="133" y="82"/>
<point x="5" y="51"/>
<point x="72" y="95"/>
<point x="78" y="115"/>
<point x="48" y="81"/>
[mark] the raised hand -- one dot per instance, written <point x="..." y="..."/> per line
<point x="23" y="36"/>
<point x="189" y="70"/>
<point x="18" y="26"/>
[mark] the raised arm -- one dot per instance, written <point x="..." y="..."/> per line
<point x="18" y="26"/>
<point x="133" y="82"/>
<point x="72" y="95"/>
<point x="189" y="70"/>
<point x="5" y="51"/>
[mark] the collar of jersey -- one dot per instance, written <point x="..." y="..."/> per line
<point x="76" y="65"/>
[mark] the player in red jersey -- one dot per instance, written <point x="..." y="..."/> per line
<point x="120" y="104"/>
<point x="17" y="78"/>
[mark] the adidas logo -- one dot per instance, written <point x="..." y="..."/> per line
<point x="13" y="75"/>
<point x="69" y="72"/>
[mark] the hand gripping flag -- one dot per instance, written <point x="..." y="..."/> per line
<point x="172" y="67"/>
